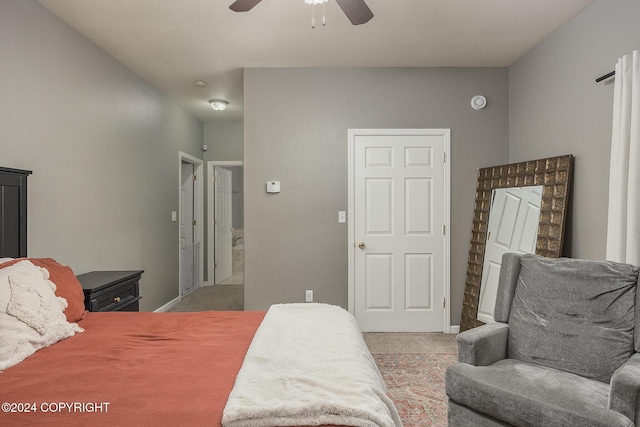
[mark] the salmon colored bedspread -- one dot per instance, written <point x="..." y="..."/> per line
<point x="134" y="369"/>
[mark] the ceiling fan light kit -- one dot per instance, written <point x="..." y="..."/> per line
<point x="313" y="3"/>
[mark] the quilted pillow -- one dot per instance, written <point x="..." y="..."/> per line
<point x="573" y="315"/>
<point x="31" y="315"/>
<point x="67" y="285"/>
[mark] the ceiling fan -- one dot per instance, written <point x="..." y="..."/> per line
<point x="356" y="10"/>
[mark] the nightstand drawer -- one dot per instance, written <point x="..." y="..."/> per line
<point x="111" y="290"/>
<point x="115" y="298"/>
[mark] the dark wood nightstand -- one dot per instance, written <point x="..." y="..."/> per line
<point x="111" y="290"/>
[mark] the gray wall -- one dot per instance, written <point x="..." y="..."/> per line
<point x="296" y="123"/>
<point x="237" y="184"/>
<point x="103" y="146"/>
<point x="557" y="108"/>
<point x="224" y="141"/>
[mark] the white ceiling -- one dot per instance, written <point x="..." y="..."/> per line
<point x="173" y="43"/>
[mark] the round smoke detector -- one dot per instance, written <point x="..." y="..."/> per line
<point x="478" y="102"/>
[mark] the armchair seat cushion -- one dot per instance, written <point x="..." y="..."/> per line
<point x="526" y="394"/>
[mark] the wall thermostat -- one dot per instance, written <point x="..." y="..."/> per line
<point x="273" y="186"/>
<point x="478" y="102"/>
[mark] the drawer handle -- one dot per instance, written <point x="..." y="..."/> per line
<point x="116" y="299"/>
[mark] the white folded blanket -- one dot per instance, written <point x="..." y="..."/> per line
<point x="309" y="365"/>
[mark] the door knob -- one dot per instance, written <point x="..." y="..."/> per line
<point x="361" y="245"/>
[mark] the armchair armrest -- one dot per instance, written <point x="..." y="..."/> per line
<point x="484" y="345"/>
<point x="624" y="393"/>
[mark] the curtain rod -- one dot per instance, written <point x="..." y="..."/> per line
<point x="606" y="76"/>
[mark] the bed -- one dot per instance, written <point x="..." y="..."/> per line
<point x="295" y="364"/>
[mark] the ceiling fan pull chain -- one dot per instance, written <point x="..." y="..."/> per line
<point x="313" y="16"/>
<point x="324" y="14"/>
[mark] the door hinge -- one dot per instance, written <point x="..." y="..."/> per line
<point x="193" y="222"/>
<point x="444" y="230"/>
<point x="444" y="303"/>
<point x="193" y="177"/>
<point x="215" y="222"/>
<point x="215" y="265"/>
<point x="444" y="157"/>
<point x="215" y="179"/>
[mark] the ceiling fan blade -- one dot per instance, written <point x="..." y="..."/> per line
<point x="243" y="5"/>
<point x="356" y="10"/>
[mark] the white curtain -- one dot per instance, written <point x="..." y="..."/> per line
<point x="623" y="229"/>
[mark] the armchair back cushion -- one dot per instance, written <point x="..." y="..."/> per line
<point x="573" y="315"/>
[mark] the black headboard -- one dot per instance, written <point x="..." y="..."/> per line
<point x="13" y="212"/>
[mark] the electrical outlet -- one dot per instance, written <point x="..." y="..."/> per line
<point x="308" y="295"/>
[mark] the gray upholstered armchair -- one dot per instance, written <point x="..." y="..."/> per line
<point x="562" y="352"/>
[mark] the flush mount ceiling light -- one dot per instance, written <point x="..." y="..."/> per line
<point x="218" y="104"/>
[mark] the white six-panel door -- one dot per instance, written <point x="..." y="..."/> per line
<point x="399" y="209"/>
<point x="223" y="225"/>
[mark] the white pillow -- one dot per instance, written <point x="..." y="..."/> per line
<point x="31" y="315"/>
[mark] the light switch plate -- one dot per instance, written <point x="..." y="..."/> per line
<point x="342" y="217"/>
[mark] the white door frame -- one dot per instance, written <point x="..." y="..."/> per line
<point x="211" y="188"/>
<point x="197" y="209"/>
<point x="351" y="243"/>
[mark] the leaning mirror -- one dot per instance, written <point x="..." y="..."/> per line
<point x="519" y="207"/>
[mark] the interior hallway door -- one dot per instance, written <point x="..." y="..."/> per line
<point x="400" y="209"/>
<point x="187" y="229"/>
<point x="223" y="224"/>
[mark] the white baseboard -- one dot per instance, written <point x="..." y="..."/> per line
<point x="208" y="283"/>
<point x="455" y="329"/>
<point x="167" y="306"/>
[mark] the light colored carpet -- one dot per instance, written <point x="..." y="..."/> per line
<point x="222" y="298"/>
<point x="410" y="342"/>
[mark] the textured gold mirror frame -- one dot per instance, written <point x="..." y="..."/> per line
<point x="554" y="174"/>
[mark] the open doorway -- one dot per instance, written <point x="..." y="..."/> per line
<point x="226" y="222"/>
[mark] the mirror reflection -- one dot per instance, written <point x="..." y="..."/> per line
<point x="498" y="226"/>
<point x="513" y="227"/>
